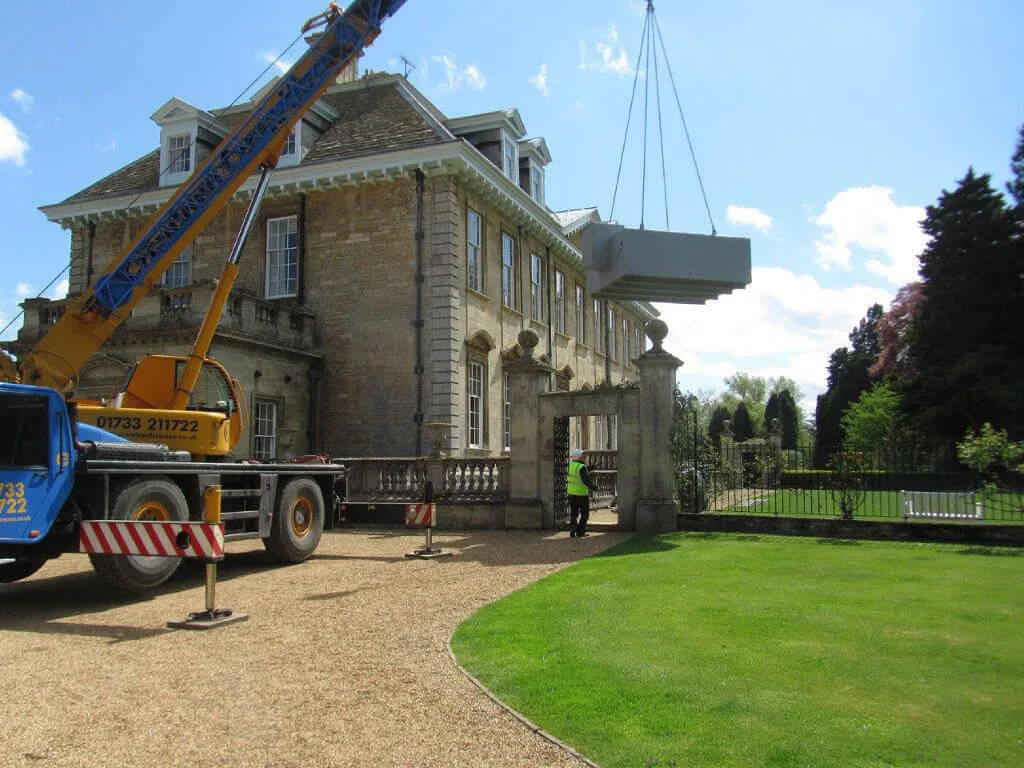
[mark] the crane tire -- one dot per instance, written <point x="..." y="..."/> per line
<point x="154" y="498"/>
<point x="298" y="521"/>
<point x="22" y="568"/>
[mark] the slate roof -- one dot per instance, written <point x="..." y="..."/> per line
<point x="373" y="119"/>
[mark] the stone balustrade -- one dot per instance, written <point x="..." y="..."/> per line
<point x="403" y="479"/>
<point x="273" y="321"/>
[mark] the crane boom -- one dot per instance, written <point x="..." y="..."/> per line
<point x="257" y="141"/>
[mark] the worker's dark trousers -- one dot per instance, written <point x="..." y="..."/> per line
<point x="579" y="513"/>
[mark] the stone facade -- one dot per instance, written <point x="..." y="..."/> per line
<point x="383" y="327"/>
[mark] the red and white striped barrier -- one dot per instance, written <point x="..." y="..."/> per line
<point x="112" y="537"/>
<point x="419" y="514"/>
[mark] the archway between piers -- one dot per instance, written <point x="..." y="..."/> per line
<point x="540" y="444"/>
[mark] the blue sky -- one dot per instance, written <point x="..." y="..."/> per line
<point x="821" y="129"/>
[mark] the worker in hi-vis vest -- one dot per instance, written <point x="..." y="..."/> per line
<point x="579" y="487"/>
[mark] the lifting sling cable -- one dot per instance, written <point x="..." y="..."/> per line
<point x="647" y="42"/>
<point x="647" y="90"/>
<point x="686" y="130"/>
<point x="661" y="138"/>
<point x="629" y="116"/>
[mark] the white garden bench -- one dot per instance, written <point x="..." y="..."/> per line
<point x="957" y="505"/>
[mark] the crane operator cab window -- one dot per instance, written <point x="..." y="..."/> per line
<point x="24" y="427"/>
<point x="211" y="392"/>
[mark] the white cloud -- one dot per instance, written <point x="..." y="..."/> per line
<point x="540" y="80"/>
<point x="13" y="144"/>
<point x="23" y="100"/>
<point x="867" y="217"/>
<point x="23" y="290"/>
<point x="60" y="290"/>
<point x="455" y="76"/>
<point x="749" y="217"/>
<point x="474" y="78"/>
<point x="281" y="65"/>
<point x="610" y="55"/>
<point x="782" y="324"/>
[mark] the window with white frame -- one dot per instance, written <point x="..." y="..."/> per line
<point x="180" y="273"/>
<point x="613" y="432"/>
<point x="264" y="442"/>
<point x="598" y="328"/>
<point x="508" y="270"/>
<point x="599" y="433"/>
<point x="579" y="431"/>
<point x="611" y="333"/>
<point x="510" y="157"/>
<point x="474" y="264"/>
<point x="638" y="341"/>
<point x="537" y="183"/>
<point x="581" y="318"/>
<point x="476" y="376"/>
<point x="507" y="412"/>
<point x="290" y="144"/>
<point x="559" y="302"/>
<point x="536" y="287"/>
<point x="179" y="153"/>
<point x="625" y="340"/>
<point x="282" y="257"/>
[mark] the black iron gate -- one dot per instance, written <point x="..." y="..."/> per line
<point x="561" y="458"/>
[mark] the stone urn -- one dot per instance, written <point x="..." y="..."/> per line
<point x="438" y="434"/>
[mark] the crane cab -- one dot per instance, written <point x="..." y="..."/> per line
<point x="139" y="409"/>
<point x="37" y="461"/>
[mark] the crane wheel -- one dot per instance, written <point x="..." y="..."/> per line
<point x="298" y="521"/>
<point x="156" y="499"/>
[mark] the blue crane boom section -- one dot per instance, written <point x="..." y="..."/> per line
<point x="346" y="37"/>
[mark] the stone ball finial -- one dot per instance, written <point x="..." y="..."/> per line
<point x="727" y="423"/>
<point x="656" y="331"/>
<point x="528" y="340"/>
<point x="775" y="425"/>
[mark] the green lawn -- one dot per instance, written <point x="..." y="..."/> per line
<point x="999" y="508"/>
<point x="728" y="650"/>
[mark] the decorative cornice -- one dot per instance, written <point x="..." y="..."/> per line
<point x="458" y="158"/>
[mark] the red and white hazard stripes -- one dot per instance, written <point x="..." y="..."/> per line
<point x="112" y="537"/>
<point x="419" y="514"/>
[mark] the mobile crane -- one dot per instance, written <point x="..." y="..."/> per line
<point x="56" y="473"/>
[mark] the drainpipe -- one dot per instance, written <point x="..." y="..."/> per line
<point x="301" y="231"/>
<point x="88" y="254"/>
<point x="418" y="322"/>
<point x="313" y="376"/>
<point x="551" y="316"/>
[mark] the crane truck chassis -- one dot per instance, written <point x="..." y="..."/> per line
<point x="284" y="504"/>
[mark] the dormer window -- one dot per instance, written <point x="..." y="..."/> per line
<point x="536" y="182"/>
<point x="289" y="145"/>
<point x="510" y="157"/>
<point x="291" y="155"/>
<point x="179" y="153"/>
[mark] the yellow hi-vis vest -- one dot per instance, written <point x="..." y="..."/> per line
<point x="576" y="486"/>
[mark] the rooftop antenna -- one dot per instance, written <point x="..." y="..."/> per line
<point x="409" y="66"/>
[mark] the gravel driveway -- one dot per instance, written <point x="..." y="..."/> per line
<point x="342" y="662"/>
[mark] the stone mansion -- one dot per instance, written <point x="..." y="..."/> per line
<point x="397" y="256"/>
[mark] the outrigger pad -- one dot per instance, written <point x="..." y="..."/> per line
<point x="675" y="267"/>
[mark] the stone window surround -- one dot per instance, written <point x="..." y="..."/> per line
<point x="285" y="293"/>
<point x="179" y="274"/>
<point x="476" y="257"/>
<point x="275" y="409"/>
<point x="536" y="287"/>
<point x="509" y="272"/>
<point x="476" y="364"/>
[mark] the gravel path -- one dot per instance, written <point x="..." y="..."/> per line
<point x="342" y="663"/>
